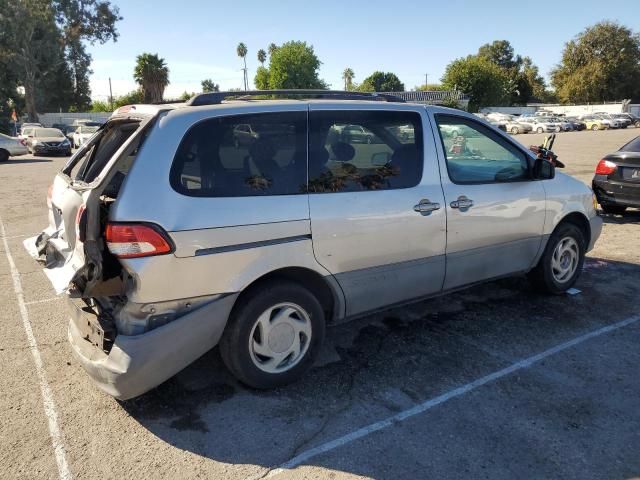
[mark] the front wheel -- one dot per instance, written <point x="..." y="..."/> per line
<point x="515" y="130"/>
<point x="540" y="130"/>
<point x="594" y="127"/>
<point x="562" y="260"/>
<point x="274" y="335"/>
<point x="4" y="155"/>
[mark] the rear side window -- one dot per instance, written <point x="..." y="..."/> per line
<point x="351" y="151"/>
<point x="243" y="155"/>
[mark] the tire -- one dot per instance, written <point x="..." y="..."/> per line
<point x="594" y="127"/>
<point x="4" y="155"/>
<point x="558" y="129"/>
<point x="540" y="130"/>
<point x="251" y="357"/>
<point x="515" y="130"/>
<point x="555" y="274"/>
<point x="613" y="209"/>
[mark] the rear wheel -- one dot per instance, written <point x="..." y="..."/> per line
<point x="613" y="209"/>
<point x="540" y="130"/>
<point x="562" y="260"/>
<point x="4" y="155"/>
<point x="515" y="130"/>
<point x="594" y="127"/>
<point x="274" y="335"/>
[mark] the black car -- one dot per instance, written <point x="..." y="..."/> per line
<point x="617" y="179"/>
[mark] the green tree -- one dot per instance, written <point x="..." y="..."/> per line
<point x="262" y="56"/>
<point x="348" y="76"/>
<point x="152" y="74"/>
<point x="480" y="78"/>
<point x="130" y="98"/>
<point x="271" y="48"/>
<point x="43" y="34"/>
<point x="242" y="51"/>
<point x="601" y="63"/>
<point x="261" y="79"/>
<point x="523" y="79"/>
<point x="208" y="85"/>
<point x="292" y="65"/>
<point x="382" y="82"/>
<point x="501" y="53"/>
<point x="431" y="87"/>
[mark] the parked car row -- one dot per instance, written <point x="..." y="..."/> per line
<point x="547" y="122"/>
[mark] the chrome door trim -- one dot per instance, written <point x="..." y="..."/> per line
<point x="246" y="246"/>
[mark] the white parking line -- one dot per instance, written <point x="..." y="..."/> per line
<point x="47" y="397"/>
<point x="423" y="407"/>
<point x="44" y="300"/>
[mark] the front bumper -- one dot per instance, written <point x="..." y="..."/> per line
<point x="138" y="363"/>
<point x="52" y="150"/>
<point x="612" y="192"/>
<point x="595" y="224"/>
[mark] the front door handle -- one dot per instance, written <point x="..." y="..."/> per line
<point x="425" y="207"/>
<point x="463" y="203"/>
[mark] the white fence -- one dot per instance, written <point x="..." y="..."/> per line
<point x="48" y="119"/>
<point x="568" y="110"/>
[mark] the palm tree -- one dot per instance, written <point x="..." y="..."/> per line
<point x="241" y="50"/>
<point x="262" y="56"/>
<point x="272" y="48"/>
<point x="152" y="74"/>
<point x="348" y="77"/>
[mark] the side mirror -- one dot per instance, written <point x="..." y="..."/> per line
<point x="543" y="169"/>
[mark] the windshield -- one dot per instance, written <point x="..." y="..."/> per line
<point x="47" y="132"/>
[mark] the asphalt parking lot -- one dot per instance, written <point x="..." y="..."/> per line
<point x="492" y="382"/>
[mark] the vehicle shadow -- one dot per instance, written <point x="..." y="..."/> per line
<point x="628" y="217"/>
<point x="27" y="160"/>
<point x="374" y="367"/>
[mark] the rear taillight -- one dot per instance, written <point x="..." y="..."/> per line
<point x="81" y="223"/>
<point x="23" y="142"/>
<point x="605" y="167"/>
<point x="133" y="240"/>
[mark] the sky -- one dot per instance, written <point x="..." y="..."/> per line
<point x="198" y="38"/>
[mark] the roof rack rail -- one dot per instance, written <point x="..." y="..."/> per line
<point x="213" y="98"/>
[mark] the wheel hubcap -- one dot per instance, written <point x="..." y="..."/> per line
<point x="564" y="261"/>
<point x="280" y="338"/>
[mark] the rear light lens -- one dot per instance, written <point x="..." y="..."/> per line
<point x="23" y="142"/>
<point x="134" y="240"/>
<point x="605" y="167"/>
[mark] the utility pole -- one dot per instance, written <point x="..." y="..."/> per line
<point x="426" y="79"/>
<point x="110" y="95"/>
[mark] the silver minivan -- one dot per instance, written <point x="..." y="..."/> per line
<point x="170" y="235"/>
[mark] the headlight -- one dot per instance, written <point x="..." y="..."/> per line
<point x="65" y="142"/>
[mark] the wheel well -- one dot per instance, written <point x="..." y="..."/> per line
<point x="580" y="221"/>
<point x="312" y="281"/>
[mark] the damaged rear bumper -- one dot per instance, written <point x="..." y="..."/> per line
<point x="138" y="363"/>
